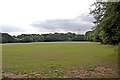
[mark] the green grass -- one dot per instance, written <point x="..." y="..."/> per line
<point x="54" y="59"/>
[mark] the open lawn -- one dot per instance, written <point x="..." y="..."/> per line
<point x="59" y="59"/>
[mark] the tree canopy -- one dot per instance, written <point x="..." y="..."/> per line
<point x="107" y="21"/>
<point x="6" y="38"/>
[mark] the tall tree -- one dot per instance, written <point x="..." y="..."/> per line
<point x="107" y="16"/>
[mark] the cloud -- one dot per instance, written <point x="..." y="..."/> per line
<point x="81" y="23"/>
<point x="86" y="18"/>
<point x="10" y="28"/>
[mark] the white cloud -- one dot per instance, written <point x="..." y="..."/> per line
<point x="77" y="25"/>
<point x="21" y="13"/>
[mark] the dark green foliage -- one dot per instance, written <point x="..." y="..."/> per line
<point x="30" y="38"/>
<point x="0" y="37"/>
<point x="78" y="38"/>
<point x="88" y="36"/>
<point x="107" y="16"/>
<point x="6" y="38"/>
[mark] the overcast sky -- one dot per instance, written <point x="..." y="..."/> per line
<point x="45" y="16"/>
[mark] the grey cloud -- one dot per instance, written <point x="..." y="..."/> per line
<point x="10" y="28"/>
<point x="86" y="18"/>
<point x="82" y="23"/>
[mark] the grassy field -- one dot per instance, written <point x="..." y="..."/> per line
<point x="60" y="59"/>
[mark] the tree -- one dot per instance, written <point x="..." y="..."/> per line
<point x="6" y="38"/>
<point x="43" y="37"/>
<point x="89" y="36"/>
<point x="107" y="16"/>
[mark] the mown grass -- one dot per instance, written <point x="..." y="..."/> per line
<point x="56" y="59"/>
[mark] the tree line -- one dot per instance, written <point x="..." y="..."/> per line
<point x="6" y="38"/>
<point x="106" y="30"/>
<point x="107" y="23"/>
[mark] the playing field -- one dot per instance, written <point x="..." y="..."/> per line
<point x="60" y="59"/>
